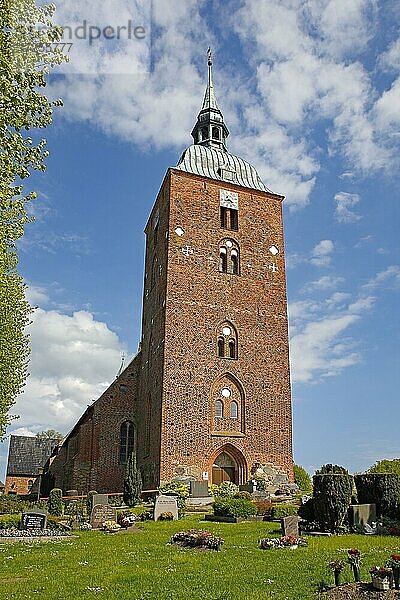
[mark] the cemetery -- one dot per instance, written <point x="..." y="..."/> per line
<point x="341" y="541"/>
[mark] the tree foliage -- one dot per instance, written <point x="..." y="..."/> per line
<point x="50" y="434"/>
<point x="132" y="482"/>
<point x="381" y="489"/>
<point x="386" y="466"/>
<point x="27" y="53"/>
<point x="302" y="479"/>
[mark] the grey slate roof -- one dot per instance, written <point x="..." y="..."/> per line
<point x="220" y="165"/>
<point x="27" y="454"/>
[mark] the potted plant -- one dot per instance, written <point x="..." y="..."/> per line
<point x="381" y="577"/>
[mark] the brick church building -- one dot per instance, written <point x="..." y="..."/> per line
<point x="208" y="394"/>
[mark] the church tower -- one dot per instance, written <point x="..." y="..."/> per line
<point x="213" y="399"/>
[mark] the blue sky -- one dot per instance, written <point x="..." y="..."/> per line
<point x="311" y="94"/>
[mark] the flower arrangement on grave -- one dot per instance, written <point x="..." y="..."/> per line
<point x="110" y="526"/>
<point x="394" y="564"/>
<point x="286" y="541"/>
<point x="337" y="567"/>
<point x="85" y="526"/>
<point x="166" y="516"/>
<point x="196" y="538"/>
<point x="127" y="520"/>
<point x="354" y="558"/>
<point x="381" y="577"/>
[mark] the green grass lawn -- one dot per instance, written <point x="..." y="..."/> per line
<point x="142" y="566"/>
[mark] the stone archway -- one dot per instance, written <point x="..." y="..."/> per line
<point x="228" y="464"/>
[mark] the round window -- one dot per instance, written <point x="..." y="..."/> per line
<point x="226" y="331"/>
<point x="226" y="392"/>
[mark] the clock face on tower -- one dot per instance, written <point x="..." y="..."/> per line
<point x="229" y="199"/>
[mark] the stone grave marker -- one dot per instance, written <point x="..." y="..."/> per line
<point x="34" y="519"/>
<point x="101" y="513"/>
<point x="166" y="504"/>
<point x="199" y="489"/>
<point x="99" y="499"/>
<point x="290" y="525"/>
<point x="362" y="514"/>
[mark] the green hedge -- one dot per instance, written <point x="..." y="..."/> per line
<point x="234" y="507"/>
<point x="11" y="521"/>
<point x="382" y="489"/>
<point x="332" y="496"/>
<point x="283" y="510"/>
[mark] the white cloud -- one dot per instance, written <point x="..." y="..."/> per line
<point x="313" y="352"/>
<point x="321" y="254"/>
<point x="36" y="295"/>
<point x="345" y="203"/>
<point x="327" y="282"/>
<point x="73" y="360"/>
<point x="386" y="278"/>
<point x="391" y="58"/>
<point x="320" y="345"/>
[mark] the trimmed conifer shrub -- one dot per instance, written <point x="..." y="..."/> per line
<point x="89" y="502"/>
<point x="332" y="496"/>
<point x="132" y="482"/>
<point x="55" y="504"/>
<point x="382" y="489"/>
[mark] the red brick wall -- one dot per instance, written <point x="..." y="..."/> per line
<point x="199" y="298"/>
<point x="19" y="484"/>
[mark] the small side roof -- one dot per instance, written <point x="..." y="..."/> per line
<point x="28" y="453"/>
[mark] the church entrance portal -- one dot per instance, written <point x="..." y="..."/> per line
<point x="224" y="469"/>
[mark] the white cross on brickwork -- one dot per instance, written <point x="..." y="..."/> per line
<point x="272" y="267"/>
<point x="186" y="251"/>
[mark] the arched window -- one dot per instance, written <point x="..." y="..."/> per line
<point x="227" y="340"/>
<point x="229" y="257"/>
<point x="127" y="441"/>
<point x="219" y="409"/>
<point x="234" y="222"/>
<point x="30" y="485"/>
<point x="215" y="133"/>
<point x="233" y="410"/>
<point x="204" y="133"/>
<point x="223" y="260"/>
<point x="234" y="262"/>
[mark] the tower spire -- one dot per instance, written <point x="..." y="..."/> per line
<point x="210" y="129"/>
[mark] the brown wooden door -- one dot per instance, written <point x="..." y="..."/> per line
<point x="223" y="469"/>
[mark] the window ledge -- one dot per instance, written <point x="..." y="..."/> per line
<point x="237" y="434"/>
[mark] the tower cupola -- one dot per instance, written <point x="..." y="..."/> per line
<point x="210" y="129"/>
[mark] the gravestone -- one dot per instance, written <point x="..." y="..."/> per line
<point x="290" y="525"/>
<point x="99" y="499"/>
<point x="248" y="487"/>
<point x="166" y="504"/>
<point x="34" y="519"/>
<point x="102" y="513"/>
<point x="199" y="489"/>
<point x="362" y="514"/>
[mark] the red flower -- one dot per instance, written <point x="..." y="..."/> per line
<point x="354" y="552"/>
<point x="395" y="557"/>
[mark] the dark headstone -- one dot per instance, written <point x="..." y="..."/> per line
<point x="99" y="499"/>
<point x="290" y="525"/>
<point x="102" y="513"/>
<point x="362" y="514"/>
<point x="198" y="489"/>
<point x="34" y="519"/>
<point x="166" y="504"/>
<point x="248" y="487"/>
